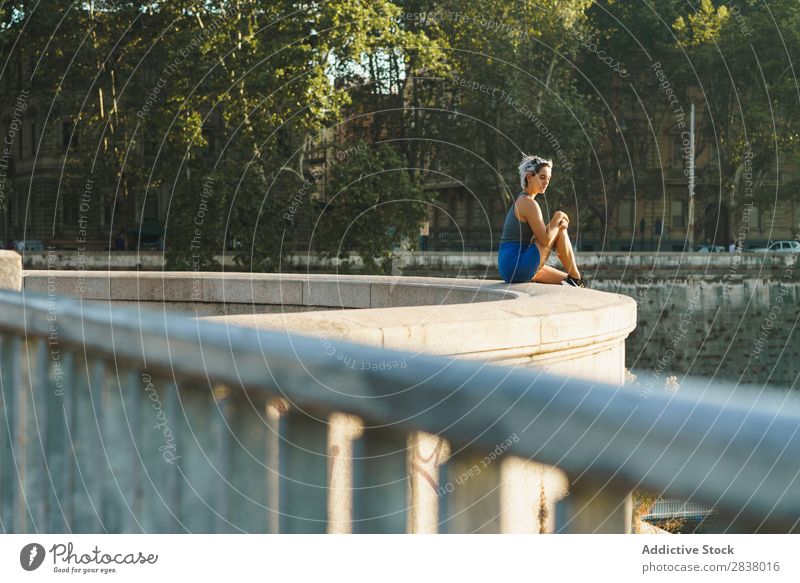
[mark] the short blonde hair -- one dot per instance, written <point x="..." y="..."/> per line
<point x="531" y="165"/>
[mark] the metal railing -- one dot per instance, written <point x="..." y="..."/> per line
<point x="670" y="508"/>
<point x="123" y="420"/>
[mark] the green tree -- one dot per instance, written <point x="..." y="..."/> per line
<point x="509" y="89"/>
<point x="618" y="48"/>
<point x="742" y="61"/>
<point x="215" y="104"/>
<point x="270" y="83"/>
<point x="375" y="206"/>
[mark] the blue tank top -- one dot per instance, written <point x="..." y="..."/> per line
<point x="515" y="230"/>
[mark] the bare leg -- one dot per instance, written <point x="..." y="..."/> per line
<point x="544" y="253"/>
<point x="545" y="273"/>
<point x="549" y="274"/>
<point x="566" y="254"/>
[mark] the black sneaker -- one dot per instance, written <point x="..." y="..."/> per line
<point x="574" y="282"/>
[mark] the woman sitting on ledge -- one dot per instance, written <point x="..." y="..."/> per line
<point x="526" y="240"/>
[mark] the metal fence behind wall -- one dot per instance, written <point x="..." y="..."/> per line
<point x="120" y="420"/>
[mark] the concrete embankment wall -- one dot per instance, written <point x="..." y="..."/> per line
<point x="747" y="333"/>
<point x="731" y="316"/>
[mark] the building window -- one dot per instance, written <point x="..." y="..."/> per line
<point x="767" y="220"/>
<point x="443" y="220"/>
<point x="67" y="138"/>
<point x="459" y="206"/>
<point x="625" y="214"/>
<point x="713" y="157"/>
<point x="151" y="206"/>
<point x="108" y="213"/>
<point x="33" y="138"/>
<point x="212" y="142"/>
<point x="677" y="154"/>
<point x="678" y="212"/>
<point x="777" y="218"/>
<point x="150" y="148"/>
<point x="654" y="156"/>
<point x="753" y="220"/>
<point x="69" y="212"/>
<point x="478" y="214"/>
<point x="499" y="211"/>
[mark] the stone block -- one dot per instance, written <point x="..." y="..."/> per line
<point x="252" y="289"/>
<point x="151" y="287"/>
<point x="89" y="285"/>
<point x="419" y="294"/>
<point x="10" y="270"/>
<point x="336" y="293"/>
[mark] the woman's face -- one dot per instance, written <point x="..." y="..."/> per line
<point x="540" y="180"/>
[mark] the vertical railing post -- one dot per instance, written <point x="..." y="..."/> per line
<point x="59" y="454"/>
<point x="10" y="492"/>
<point x="68" y="479"/>
<point x="529" y="492"/>
<point x="170" y="459"/>
<point x="276" y="410"/>
<point x="135" y="492"/>
<point x="222" y="456"/>
<point x="427" y="456"/>
<point x="595" y="508"/>
<point x="31" y="436"/>
<point x="342" y="431"/>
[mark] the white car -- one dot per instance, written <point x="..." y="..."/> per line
<point x="779" y="247"/>
<point x="711" y="249"/>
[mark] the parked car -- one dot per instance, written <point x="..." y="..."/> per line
<point x="711" y="249"/>
<point x="29" y="245"/>
<point x="779" y="247"/>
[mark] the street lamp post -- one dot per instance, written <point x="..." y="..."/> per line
<point x="691" y="179"/>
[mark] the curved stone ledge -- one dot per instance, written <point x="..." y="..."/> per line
<point x="569" y="331"/>
<point x="256" y="289"/>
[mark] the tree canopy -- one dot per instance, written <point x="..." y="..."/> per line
<point x="227" y="107"/>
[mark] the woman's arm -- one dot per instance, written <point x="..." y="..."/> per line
<point x="545" y="233"/>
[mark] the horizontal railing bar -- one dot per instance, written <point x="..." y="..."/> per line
<point x="740" y="456"/>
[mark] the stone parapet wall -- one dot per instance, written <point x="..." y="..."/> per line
<point x="568" y="331"/>
<point x="729" y="327"/>
<point x="606" y="265"/>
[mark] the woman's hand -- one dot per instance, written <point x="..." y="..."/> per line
<point x="545" y="233"/>
<point x="561" y="220"/>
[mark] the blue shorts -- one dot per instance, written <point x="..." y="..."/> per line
<point x="517" y="262"/>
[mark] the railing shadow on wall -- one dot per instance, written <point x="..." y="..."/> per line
<point x="122" y="420"/>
